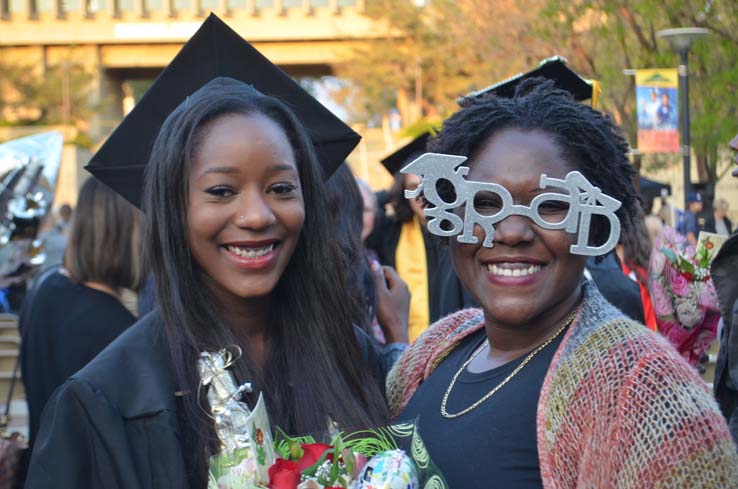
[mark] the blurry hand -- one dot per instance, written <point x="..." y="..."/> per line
<point x="393" y="303"/>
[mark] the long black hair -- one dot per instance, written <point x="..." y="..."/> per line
<point x="314" y="369"/>
<point x="346" y="206"/>
<point x="587" y="136"/>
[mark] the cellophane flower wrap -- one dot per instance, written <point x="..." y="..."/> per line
<point x="683" y="293"/>
<point x="392" y="457"/>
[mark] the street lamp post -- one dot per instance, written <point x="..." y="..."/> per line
<point x="681" y="40"/>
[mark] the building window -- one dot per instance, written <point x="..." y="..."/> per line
<point x="71" y="5"/>
<point x="95" y="6"/>
<point x="18" y="6"/>
<point x="209" y="5"/>
<point x="45" y="5"/>
<point x="264" y="4"/>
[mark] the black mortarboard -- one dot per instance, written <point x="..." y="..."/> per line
<point x="554" y="68"/>
<point x="215" y="50"/>
<point x="397" y="160"/>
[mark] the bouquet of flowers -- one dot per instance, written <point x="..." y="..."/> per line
<point x="392" y="457"/>
<point x="683" y="294"/>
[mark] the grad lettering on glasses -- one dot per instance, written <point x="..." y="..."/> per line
<point x="487" y="203"/>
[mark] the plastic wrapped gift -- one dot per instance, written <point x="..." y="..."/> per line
<point x="247" y="448"/>
<point x="392" y="469"/>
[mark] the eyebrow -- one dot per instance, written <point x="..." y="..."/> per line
<point x="221" y="169"/>
<point x="230" y="170"/>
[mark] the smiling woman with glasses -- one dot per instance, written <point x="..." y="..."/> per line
<point x="547" y="384"/>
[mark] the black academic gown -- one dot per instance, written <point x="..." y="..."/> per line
<point x="445" y="293"/>
<point x="114" y="424"/>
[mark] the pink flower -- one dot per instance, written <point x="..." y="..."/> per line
<point x="708" y="296"/>
<point x="661" y="301"/>
<point x="669" y="236"/>
<point x="691" y="344"/>
<point x="679" y="284"/>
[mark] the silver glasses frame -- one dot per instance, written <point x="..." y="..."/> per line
<point x="582" y="198"/>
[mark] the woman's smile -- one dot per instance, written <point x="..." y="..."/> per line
<point x="253" y="255"/>
<point x="513" y="271"/>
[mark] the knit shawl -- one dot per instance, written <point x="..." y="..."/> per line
<point x="619" y="408"/>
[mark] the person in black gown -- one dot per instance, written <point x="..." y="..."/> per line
<point x="74" y="312"/>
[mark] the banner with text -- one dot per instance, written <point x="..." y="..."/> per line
<point x="658" y="118"/>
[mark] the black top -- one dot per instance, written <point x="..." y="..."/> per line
<point x="493" y="445"/>
<point x="114" y="424"/>
<point x="64" y="325"/>
<point x="724" y="271"/>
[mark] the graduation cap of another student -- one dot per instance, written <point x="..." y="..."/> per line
<point x="555" y="69"/>
<point x="215" y="50"/>
<point x="397" y="160"/>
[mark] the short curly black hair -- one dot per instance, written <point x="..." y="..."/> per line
<point x="588" y="137"/>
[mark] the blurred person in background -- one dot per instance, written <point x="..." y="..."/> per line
<point x="691" y="226"/>
<point x="654" y="226"/>
<point x="76" y="311"/>
<point x="401" y="240"/>
<point x="718" y="221"/>
<point x="382" y="295"/>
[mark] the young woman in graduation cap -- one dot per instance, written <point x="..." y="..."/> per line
<point x="547" y="384"/>
<point x="240" y="247"/>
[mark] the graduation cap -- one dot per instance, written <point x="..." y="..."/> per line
<point x="554" y="68"/>
<point x="397" y="160"/>
<point x="214" y="51"/>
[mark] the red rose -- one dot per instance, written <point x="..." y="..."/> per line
<point x="687" y="276"/>
<point x="312" y="454"/>
<point x="284" y="474"/>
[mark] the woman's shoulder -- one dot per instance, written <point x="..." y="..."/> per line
<point x="426" y="352"/>
<point x="604" y="334"/>
<point x="133" y="373"/>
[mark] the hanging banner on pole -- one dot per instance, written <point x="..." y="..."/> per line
<point x="658" y="117"/>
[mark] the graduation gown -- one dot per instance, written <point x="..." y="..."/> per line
<point x="115" y="425"/>
<point x="445" y="293"/>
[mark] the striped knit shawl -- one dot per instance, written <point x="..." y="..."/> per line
<point x="618" y="407"/>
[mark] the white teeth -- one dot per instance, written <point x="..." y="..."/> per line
<point x="250" y="252"/>
<point x="505" y="271"/>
